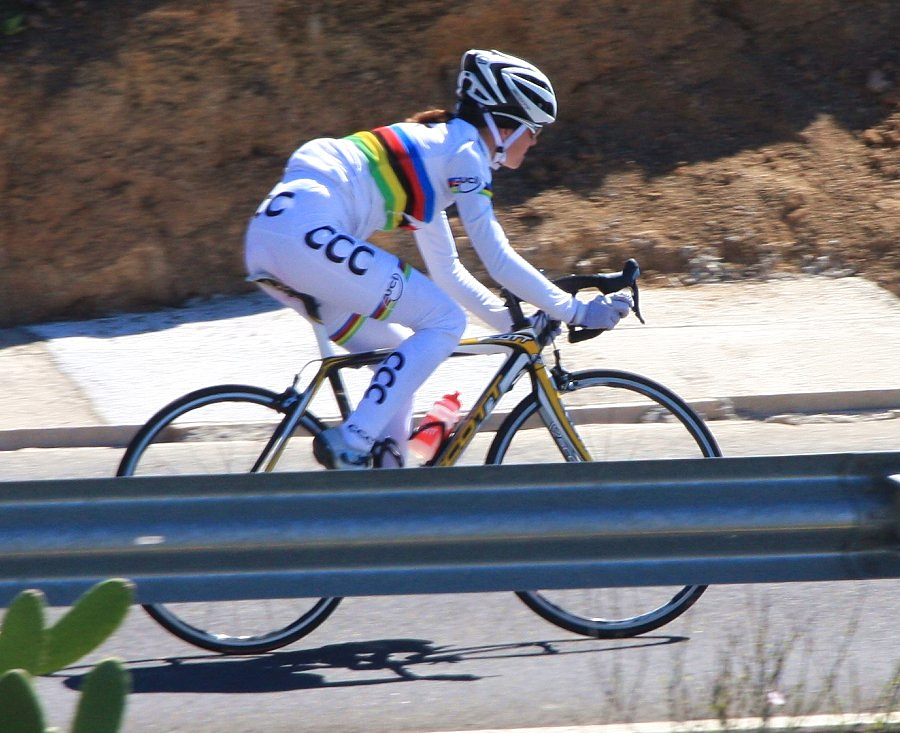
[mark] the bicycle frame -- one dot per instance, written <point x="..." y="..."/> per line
<point x="524" y="357"/>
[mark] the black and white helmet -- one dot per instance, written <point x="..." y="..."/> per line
<point x="506" y="87"/>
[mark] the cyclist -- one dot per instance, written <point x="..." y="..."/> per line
<point x="311" y="233"/>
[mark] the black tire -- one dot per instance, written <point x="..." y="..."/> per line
<point x="620" y="416"/>
<point x="224" y="429"/>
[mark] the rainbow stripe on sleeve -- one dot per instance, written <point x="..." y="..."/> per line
<point x="399" y="173"/>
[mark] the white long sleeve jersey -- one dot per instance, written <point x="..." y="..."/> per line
<point x="407" y="175"/>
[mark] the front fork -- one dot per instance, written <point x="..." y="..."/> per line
<point x="561" y="427"/>
<point x="292" y="405"/>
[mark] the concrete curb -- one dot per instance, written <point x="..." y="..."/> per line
<point x="741" y="406"/>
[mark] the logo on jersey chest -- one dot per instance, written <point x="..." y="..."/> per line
<point x="464" y="184"/>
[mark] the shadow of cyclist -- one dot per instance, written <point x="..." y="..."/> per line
<point x="376" y="662"/>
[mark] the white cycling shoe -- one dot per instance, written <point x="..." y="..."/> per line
<point x="332" y="451"/>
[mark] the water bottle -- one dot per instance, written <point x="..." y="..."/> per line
<point x="435" y="426"/>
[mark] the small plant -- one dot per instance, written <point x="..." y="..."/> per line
<point x="100" y="708"/>
<point x="27" y="648"/>
<point x="26" y="644"/>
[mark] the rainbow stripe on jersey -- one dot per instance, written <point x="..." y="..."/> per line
<point x="399" y="173"/>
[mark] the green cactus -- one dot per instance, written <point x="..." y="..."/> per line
<point x="21" y="636"/>
<point x="27" y="648"/>
<point x="93" y="618"/>
<point x="20" y="711"/>
<point x="102" y="703"/>
<point x="26" y="644"/>
<point x="101" y="706"/>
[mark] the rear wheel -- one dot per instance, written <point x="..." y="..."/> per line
<point x="619" y="416"/>
<point x="225" y="429"/>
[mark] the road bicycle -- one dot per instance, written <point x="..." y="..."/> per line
<point x="582" y="415"/>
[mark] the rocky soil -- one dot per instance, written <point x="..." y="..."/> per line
<point x="711" y="139"/>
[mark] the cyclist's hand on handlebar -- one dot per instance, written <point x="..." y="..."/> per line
<point x="604" y="311"/>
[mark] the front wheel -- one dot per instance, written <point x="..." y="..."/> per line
<point x="619" y="416"/>
<point x="226" y="429"/>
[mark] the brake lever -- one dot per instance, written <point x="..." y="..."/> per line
<point x="630" y="273"/>
<point x="636" y="303"/>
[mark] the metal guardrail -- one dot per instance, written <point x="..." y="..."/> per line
<point x="464" y="529"/>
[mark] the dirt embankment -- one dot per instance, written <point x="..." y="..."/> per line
<point x="709" y="138"/>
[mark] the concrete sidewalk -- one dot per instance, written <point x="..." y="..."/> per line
<point x="798" y="345"/>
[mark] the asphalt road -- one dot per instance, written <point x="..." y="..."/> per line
<point x="483" y="661"/>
